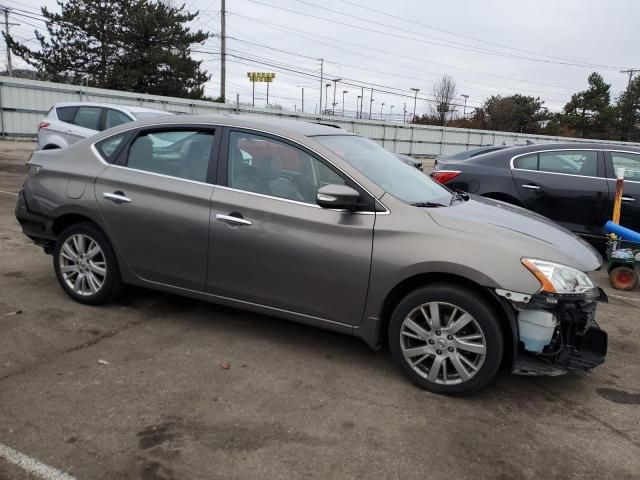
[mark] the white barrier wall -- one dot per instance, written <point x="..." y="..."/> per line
<point x="23" y="103"/>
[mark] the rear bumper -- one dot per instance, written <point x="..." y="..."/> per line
<point x="578" y="344"/>
<point x="35" y="226"/>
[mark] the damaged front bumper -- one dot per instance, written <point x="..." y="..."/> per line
<point x="577" y="343"/>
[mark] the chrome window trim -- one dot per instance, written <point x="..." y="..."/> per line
<point x="169" y="125"/>
<point x="556" y="150"/>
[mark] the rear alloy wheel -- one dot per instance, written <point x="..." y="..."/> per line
<point x="446" y="339"/>
<point x="85" y="264"/>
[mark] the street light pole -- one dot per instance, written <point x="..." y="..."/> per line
<point x="370" y="104"/>
<point x="404" y="112"/>
<point x="326" y="97"/>
<point x="302" y="109"/>
<point x="391" y="114"/>
<point x="464" y="112"/>
<point x="335" y="86"/>
<point x="343" y="92"/>
<point x="381" y="108"/>
<point x="415" y="102"/>
<point x="358" y="106"/>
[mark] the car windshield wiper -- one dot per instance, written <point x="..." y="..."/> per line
<point x="428" y="204"/>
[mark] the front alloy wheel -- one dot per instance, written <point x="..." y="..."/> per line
<point x="442" y="343"/>
<point x="446" y="339"/>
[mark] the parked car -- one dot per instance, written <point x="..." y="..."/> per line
<point x="66" y="123"/>
<point x="415" y="163"/>
<point x="570" y="183"/>
<point x="320" y="226"/>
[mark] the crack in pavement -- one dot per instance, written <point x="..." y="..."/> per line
<point x="82" y="346"/>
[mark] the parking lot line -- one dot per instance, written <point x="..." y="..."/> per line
<point x="9" y="193"/>
<point x="31" y="465"/>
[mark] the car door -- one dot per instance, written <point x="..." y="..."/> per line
<point x="567" y="186"/>
<point x="155" y="200"/>
<point x="272" y="245"/>
<point x="630" y="161"/>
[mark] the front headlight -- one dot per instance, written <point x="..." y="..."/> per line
<point x="557" y="278"/>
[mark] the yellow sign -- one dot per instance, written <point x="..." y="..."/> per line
<point x="261" y="76"/>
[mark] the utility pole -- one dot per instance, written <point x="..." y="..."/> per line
<point x="335" y="86"/>
<point x="631" y="71"/>
<point x="343" y="92"/>
<point x="391" y="114"/>
<point x="415" y="102"/>
<point x="464" y="112"/>
<point x="404" y="112"/>
<point x="267" y="94"/>
<point x="358" y="104"/>
<point x="223" y="51"/>
<point x="302" y="99"/>
<point x="321" y="82"/>
<point x="361" y="100"/>
<point x="6" y="31"/>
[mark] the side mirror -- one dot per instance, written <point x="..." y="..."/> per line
<point x="337" y="196"/>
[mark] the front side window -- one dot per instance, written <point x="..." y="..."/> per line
<point x="263" y="165"/>
<point x="113" y="118"/>
<point x="177" y="153"/>
<point x="88" y="117"/>
<point x="402" y="181"/>
<point x="583" y="163"/>
<point x="629" y="161"/>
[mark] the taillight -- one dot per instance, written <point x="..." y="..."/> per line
<point x="444" y="176"/>
<point x="43" y="125"/>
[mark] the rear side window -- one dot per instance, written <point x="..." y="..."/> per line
<point x="66" y="114"/>
<point x="109" y="147"/>
<point x="113" y="118"/>
<point x="583" y="163"/>
<point x="578" y="162"/>
<point x="527" y="162"/>
<point x="88" y="117"/>
<point x="177" y="153"/>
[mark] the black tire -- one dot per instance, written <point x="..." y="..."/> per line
<point x="485" y="319"/>
<point x="111" y="285"/>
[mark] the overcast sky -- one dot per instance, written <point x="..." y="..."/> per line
<point x="545" y="48"/>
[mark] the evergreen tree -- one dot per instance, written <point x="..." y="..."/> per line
<point x="590" y="112"/>
<point x="132" y="45"/>
<point x="629" y="107"/>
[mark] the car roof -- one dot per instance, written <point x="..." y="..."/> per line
<point x="276" y="125"/>
<point x="128" y="108"/>
<point x="518" y="150"/>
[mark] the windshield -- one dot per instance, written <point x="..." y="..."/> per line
<point x="402" y="181"/>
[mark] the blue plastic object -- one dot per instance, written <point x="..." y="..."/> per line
<point x="621" y="232"/>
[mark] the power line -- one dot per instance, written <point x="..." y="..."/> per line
<point x="486" y="42"/>
<point x="290" y="31"/>
<point x="396" y="35"/>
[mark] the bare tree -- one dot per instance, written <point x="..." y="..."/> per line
<point x="444" y="93"/>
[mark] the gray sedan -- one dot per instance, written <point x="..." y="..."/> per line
<point x="319" y="226"/>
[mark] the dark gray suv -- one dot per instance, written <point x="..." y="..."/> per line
<point x="319" y="226"/>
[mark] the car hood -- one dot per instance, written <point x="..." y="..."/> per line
<point x="516" y="228"/>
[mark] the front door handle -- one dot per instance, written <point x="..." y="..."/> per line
<point x="232" y="220"/>
<point x="117" y="197"/>
<point x="529" y="186"/>
<point x="628" y="199"/>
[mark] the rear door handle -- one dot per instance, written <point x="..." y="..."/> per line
<point x="117" y="197"/>
<point x="628" y="199"/>
<point x="233" y="220"/>
<point x="530" y="186"/>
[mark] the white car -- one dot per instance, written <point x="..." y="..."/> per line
<point x="66" y="123"/>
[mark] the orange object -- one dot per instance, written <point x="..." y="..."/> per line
<point x="547" y="286"/>
<point x="617" y="199"/>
